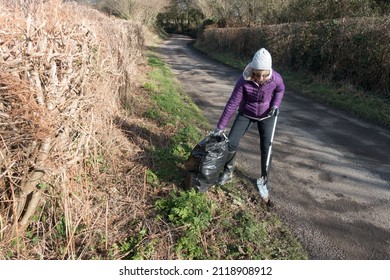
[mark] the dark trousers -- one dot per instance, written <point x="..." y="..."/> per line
<point x="240" y="127"/>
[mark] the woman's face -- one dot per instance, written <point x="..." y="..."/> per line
<point x="260" y="76"/>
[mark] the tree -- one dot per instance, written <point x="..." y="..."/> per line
<point x="181" y="16"/>
<point x="138" y="10"/>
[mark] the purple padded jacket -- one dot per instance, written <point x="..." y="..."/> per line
<point x="253" y="100"/>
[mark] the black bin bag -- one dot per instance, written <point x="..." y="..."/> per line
<point x="206" y="162"/>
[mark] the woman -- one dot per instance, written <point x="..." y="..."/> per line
<point x="257" y="94"/>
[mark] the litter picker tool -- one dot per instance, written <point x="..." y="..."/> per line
<point x="262" y="181"/>
<point x="268" y="164"/>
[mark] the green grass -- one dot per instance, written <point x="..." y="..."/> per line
<point x="367" y="106"/>
<point x="172" y="108"/>
<point x="213" y="225"/>
<point x="250" y="231"/>
<point x="193" y="213"/>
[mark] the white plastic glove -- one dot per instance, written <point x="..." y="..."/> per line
<point x="217" y="132"/>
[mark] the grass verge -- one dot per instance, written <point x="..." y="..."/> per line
<point x="223" y="223"/>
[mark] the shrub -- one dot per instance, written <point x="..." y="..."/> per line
<point x="345" y="50"/>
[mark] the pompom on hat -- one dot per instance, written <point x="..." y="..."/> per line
<point x="262" y="60"/>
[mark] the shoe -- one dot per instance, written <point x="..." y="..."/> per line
<point x="225" y="178"/>
<point x="228" y="169"/>
<point x="269" y="203"/>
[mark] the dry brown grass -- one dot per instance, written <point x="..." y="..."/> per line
<point x="71" y="178"/>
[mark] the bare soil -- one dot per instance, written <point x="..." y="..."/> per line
<point x="330" y="175"/>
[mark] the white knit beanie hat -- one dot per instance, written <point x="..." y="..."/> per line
<point x="262" y="60"/>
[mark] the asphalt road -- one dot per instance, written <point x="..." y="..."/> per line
<point x="330" y="176"/>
